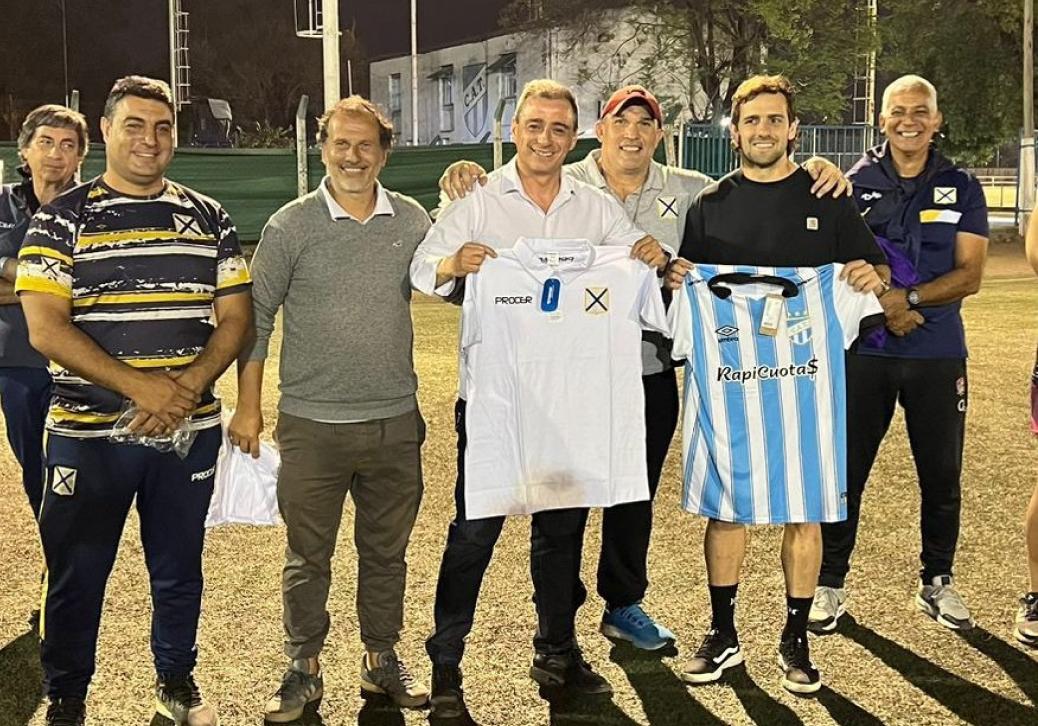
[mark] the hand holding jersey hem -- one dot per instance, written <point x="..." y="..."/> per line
<point x="676" y="271"/>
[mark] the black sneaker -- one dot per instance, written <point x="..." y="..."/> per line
<point x="179" y="700"/>
<point x="66" y="712"/>
<point x="719" y="652"/>
<point x="568" y="670"/>
<point x="448" y="698"/>
<point x="799" y="674"/>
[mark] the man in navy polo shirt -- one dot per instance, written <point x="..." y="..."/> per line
<point x="930" y="217"/>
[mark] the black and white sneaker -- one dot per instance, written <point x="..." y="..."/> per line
<point x="66" y="712"/>
<point x="799" y="674"/>
<point x="719" y="652"/>
<point x="568" y="670"/>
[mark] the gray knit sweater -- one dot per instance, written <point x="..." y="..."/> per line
<point x="345" y="294"/>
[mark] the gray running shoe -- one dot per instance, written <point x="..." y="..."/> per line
<point x="942" y="602"/>
<point x="826" y="609"/>
<point x="391" y="678"/>
<point x="298" y="688"/>
<point x="1027" y="621"/>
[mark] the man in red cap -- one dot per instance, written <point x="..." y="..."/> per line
<point x="656" y="198"/>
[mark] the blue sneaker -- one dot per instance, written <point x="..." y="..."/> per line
<point x="636" y="626"/>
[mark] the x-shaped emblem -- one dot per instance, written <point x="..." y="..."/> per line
<point x="595" y="300"/>
<point x="667" y="207"/>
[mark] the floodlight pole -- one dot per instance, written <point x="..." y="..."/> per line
<point x="414" y="72"/>
<point x="173" y="85"/>
<point x="1027" y="155"/>
<point x="330" y="44"/>
<point x="64" y="49"/>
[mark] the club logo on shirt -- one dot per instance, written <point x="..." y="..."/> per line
<point x="798" y="327"/>
<point x="186" y="224"/>
<point x="63" y="481"/>
<point x="727" y="334"/>
<point x="513" y="300"/>
<point x="596" y="300"/>
<point x="945" y="195"/>
<point x="667" y="207"/>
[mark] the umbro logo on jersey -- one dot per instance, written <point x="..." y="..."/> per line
<point x="203" y="475"/>
<point x="596" y="300"/>
<point x="869" y="196"/>
<point x="513" y="300"/>
<point x="186" y="224"/>
<point x="727" y="334"/>
<point x="63" y="481"/>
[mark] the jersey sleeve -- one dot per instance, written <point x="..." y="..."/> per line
<point x="45" y="258"/>
<point x="855" y="240"/>
<point x="855" y="310"/>
<point x="679" y="321"/>
<point x="232" y="272"/>
<point x="651" y="312"/>
<point x="974" y="218"/>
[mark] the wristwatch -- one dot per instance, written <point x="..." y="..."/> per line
<point x="913" y="298"/>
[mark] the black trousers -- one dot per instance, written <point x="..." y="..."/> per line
<point x="626" y="528"/>
<point x="556" y="545"/>
<point x="933" y="393"/>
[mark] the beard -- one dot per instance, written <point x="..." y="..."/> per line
<point x="762" y="160"/>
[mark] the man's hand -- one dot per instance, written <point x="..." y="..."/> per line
<point x="162" y="401"/>
<point x="649" y="251"/>
<point x="460" y="178"/>
<point x="468" y="259"/>
<point x="828" y="178"/>
<point x="244" y="430"/>
<point x="676" y="271"/>
<point x="862" y="276"/>
<point x="903" y="323"/>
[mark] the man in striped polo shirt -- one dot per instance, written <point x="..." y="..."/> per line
<point x="136" y="290"/>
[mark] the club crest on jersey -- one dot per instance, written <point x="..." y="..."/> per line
<point x="596" y="300"/>
<point x="945" y="195"/>
<point x="63" y="481"/>
<point x="186" y="224"/>
<point x="798" y="327"/>
<point x="667" y="207"/>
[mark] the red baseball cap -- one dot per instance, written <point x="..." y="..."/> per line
<point x="624" y="97"/>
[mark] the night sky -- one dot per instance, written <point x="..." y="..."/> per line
<point x="131" y="36"/>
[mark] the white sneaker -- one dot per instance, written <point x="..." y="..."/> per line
<point x="826" y="609"/>
<point x="942" y="602"/>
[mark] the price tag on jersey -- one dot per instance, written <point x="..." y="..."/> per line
<point x="772" y="317"/>
<point x="550" y="295"/>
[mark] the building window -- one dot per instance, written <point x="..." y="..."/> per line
<point x="395" y="108"/>
<point x="445" y="82"/>
<point x="507" y="84"/>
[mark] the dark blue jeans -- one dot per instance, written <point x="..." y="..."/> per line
<point x="24" y="398"/>
<point x="556" y="544"/>
<point x="90" y="486"/>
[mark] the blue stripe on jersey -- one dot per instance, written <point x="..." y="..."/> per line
<point x="807" y="405"/>
<point x="734" y="400"/>
<point x="771" y="421"/>
<point x="838" y="381"/>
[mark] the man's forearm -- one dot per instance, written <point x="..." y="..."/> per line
<point x="949" y="287"/>
<point x="223" y="346"/>
<point x="7" y="296"/>
<point x="74" y="350"/>
<point x="250" y="383"/>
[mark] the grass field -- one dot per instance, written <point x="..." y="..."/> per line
<point x="886" y="664"/>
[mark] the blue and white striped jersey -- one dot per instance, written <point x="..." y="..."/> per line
<point x="765" y="411"/>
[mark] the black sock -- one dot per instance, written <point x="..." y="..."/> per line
<point x="722" y="605"/>
<point x="797" y="609"/>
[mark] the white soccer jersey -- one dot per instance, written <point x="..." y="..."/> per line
<point x="765" y="414"/>
<point x="551" y="346"/>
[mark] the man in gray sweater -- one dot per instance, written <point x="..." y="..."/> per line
<point x="336" y="260"/>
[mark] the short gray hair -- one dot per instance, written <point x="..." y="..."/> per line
<point x="60" y="117"/>
<point x="909" y="83"/>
